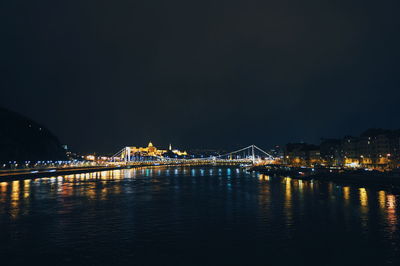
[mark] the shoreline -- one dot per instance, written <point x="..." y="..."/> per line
<point x="387" y="180"/>
<point x="22" y="174"/>
<point x="39" y="173"/>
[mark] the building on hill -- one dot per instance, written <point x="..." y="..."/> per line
<point x="137" y="153"/>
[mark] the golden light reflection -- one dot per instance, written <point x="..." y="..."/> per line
<point x="66" y="189"/>
<point x="346" y="193"/>
<point x="91" y="193"/>
<point x="118" y="176"/>
<point x="3" y="190"/>
<point x="391" y="212"/>
<point x="382" y="199"/>
<point x="103" y="194"/>
<point x="103" y="176"/>
<point x="264" y="201"/>
<point x="391" y="202"/>
<point x="288" y="188"/>
<point x="15" y="195"/>
<point x="3" y="186"/>
<point x="301" y="185"/>
<point x="68" y="177"/>
<point x="363" y="197"/>
<point x="263" y="177"/>
<point x="117" y="189"/>
<point x="53" y="184"/>
<point x="288" y="202"/>
<point x="15" y="190"/>
<point x="27" y="187"/>
<point x="59" y="184"/>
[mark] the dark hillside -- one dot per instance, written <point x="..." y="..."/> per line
<point x="22" y="139"/>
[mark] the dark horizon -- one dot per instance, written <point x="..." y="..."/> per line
<point x="210" y="74"/>
<point x="188" y="148"/>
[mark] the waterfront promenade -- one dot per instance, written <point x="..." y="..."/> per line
<point x="10" y="174"/>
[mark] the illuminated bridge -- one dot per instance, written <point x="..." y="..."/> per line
<point x="250" y="155"/>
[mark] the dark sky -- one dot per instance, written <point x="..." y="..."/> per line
<point x="105" y="74"/>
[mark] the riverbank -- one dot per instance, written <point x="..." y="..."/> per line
<point x="32" y="173"/>
<point x="360" y="176"/>
<point x="46" y="172"/>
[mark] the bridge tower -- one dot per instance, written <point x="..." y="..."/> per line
<point x="253" y="157"/>
<point x="127" y="154"/>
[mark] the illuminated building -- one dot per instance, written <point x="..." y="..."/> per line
<point x="302" y="154"/>
<point x="374" y="149"/>
<point x="90" y="157"/>
<point x="151" y="151"/>
<point x="330" y="151"/>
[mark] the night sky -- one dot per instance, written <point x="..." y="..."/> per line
<point x="201" y="74"/>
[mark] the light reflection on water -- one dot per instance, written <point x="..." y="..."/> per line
<point x="254" y="214"/>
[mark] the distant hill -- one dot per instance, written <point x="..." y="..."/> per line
<point x="22" y="139"/>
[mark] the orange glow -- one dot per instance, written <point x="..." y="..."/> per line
<point x="363" y="197"/>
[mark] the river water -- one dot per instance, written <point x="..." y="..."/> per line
<point x="195" y="216"/>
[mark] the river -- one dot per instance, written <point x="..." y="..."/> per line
<point x="195" y="216"/>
